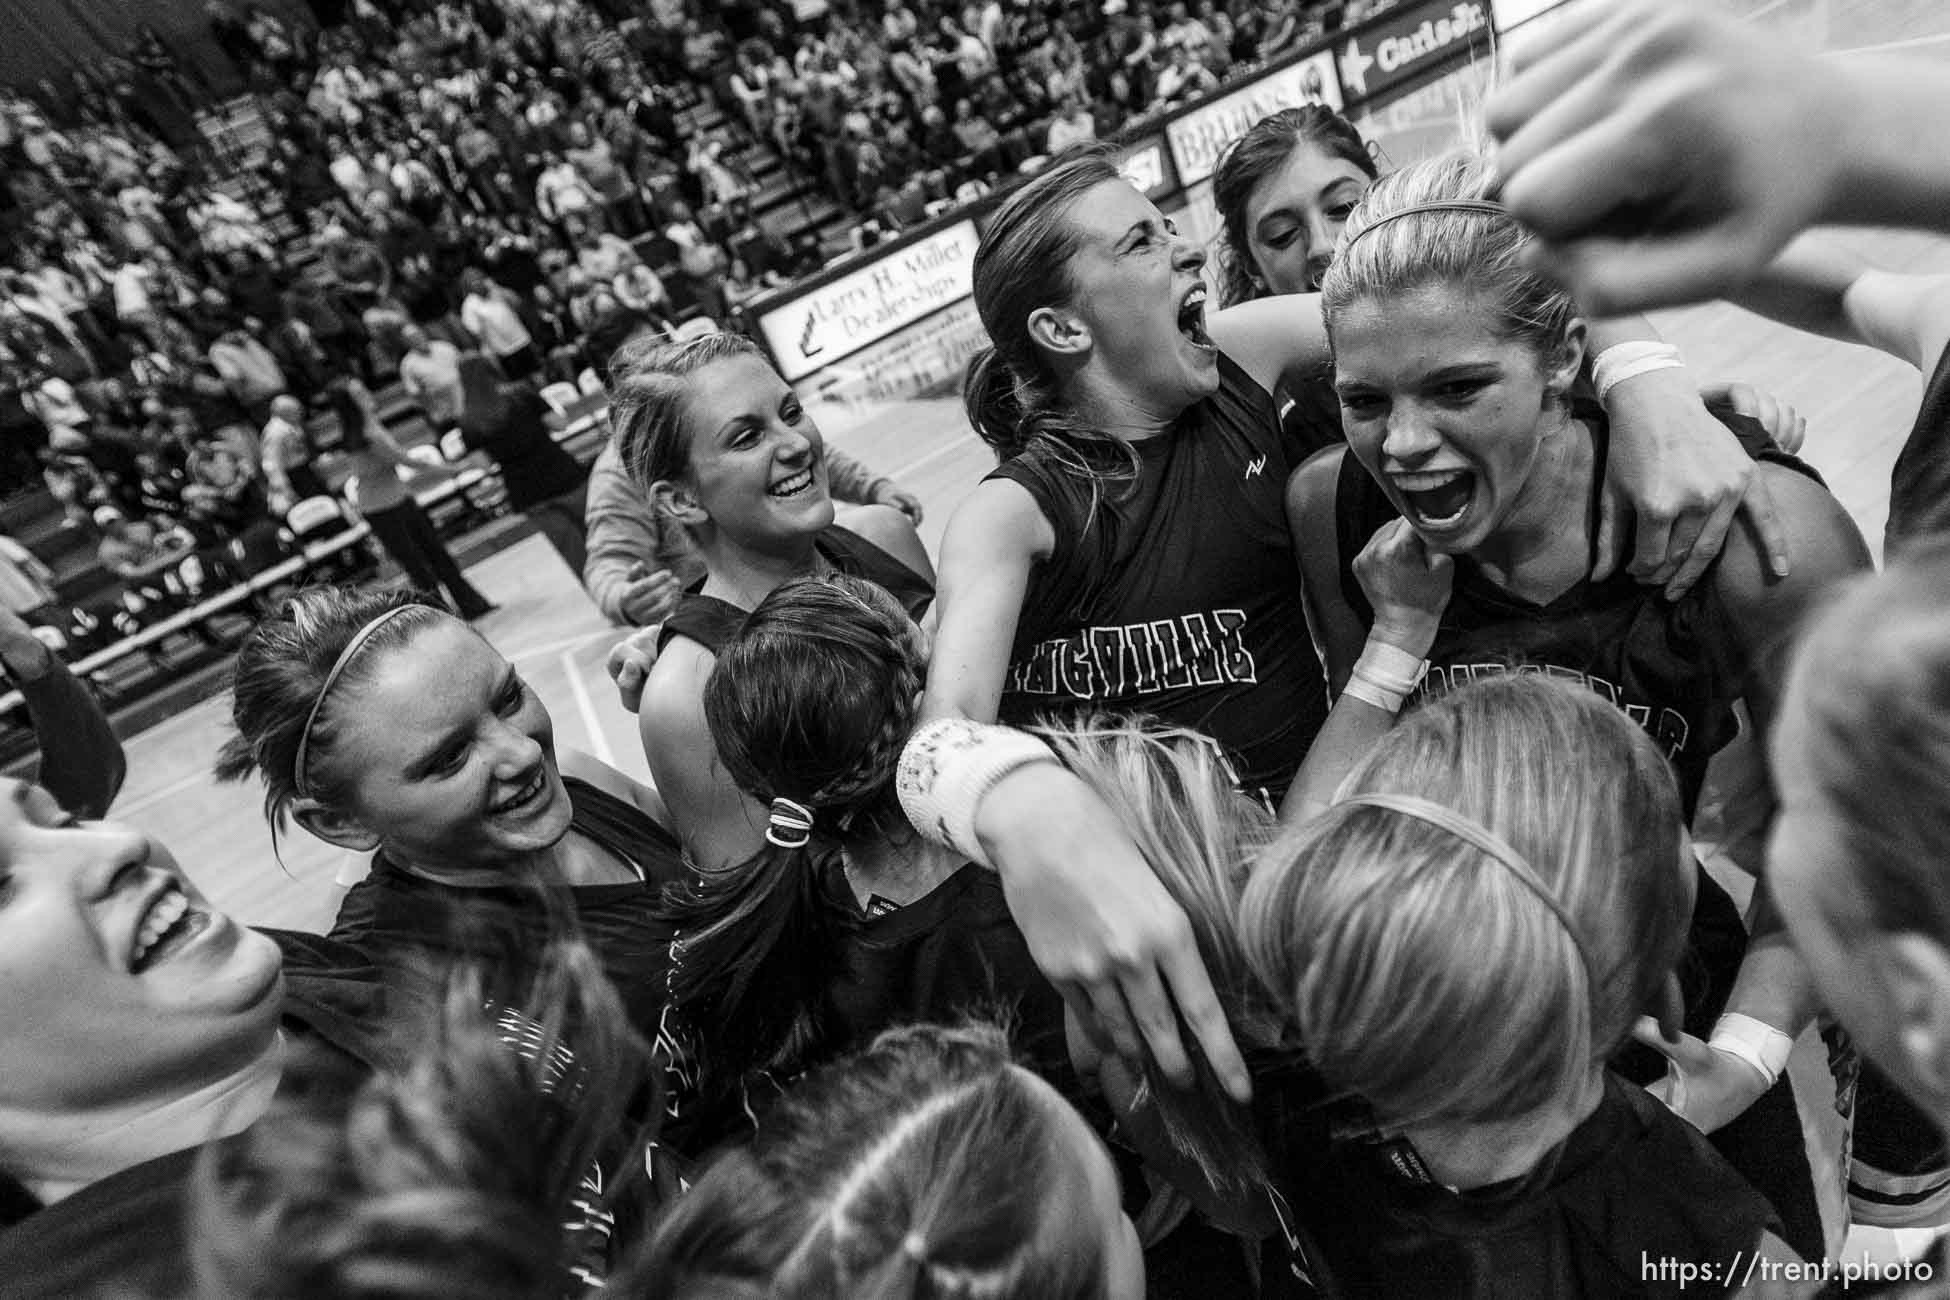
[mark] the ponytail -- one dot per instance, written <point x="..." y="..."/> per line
<point x="809" y="706"/>
<point x="755" y="953"/>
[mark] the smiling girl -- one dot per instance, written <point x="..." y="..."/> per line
<point x="722" y="446"/>
<point x="384" y="725"/>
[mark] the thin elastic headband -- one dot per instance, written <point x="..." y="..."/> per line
<point x="790" y="825"/>
<point x="1481" y="837"/>
<point x="1483" y="206"/>
<point x="339" y="665"/>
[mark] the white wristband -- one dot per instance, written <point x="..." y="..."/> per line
<point x="1629" y="360"/>
<point x="946" y="768"/>
<point x="1756" y="1042"/>
<point x="1385" y="676"/>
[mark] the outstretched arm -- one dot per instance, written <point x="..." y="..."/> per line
<point x="1821" y="287"/>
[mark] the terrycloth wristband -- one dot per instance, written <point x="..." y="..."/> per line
<point x="1629" y="360"/>
<point x="1385" y="676"/>
<point x="946" y="768"/>
<point x="1756" y="1042"/>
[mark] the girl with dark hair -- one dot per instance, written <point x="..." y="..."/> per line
<point x="384" y="501"/>
<point x="927" y="1165"/>
<point x="845" y="921"/>
<point x="722" y="446"/>
<point x="509" y="421"/>
<point x="1133" y="552"/>
<point x="384" y="725"/>
<point x="1474" y="470"/>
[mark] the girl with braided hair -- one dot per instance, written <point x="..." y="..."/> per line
<point x="845" y="921"/>
<point x="929" y="1165"/>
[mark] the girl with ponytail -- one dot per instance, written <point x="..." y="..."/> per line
<point x="845" y="921"/>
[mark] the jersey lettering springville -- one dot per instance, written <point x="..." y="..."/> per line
<point x="1668" y="728"/>
<point x="1114" y="663"/>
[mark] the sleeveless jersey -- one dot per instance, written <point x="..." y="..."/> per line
<point x="1310" y="414"/>
<point x="1632" y="1183"/>
<point x="711" y="622"/>
<point x="1178" y="595"/>
<point x="394" y="914"/>
<point x="1919" y="486"/>
<point x="1675" y="668"/>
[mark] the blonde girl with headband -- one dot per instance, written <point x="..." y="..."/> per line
<point x="1498" y="893"/>
<point x="382" y="724"/>
<point x="1473" y="469"/>
<point x="927" y="1165"/>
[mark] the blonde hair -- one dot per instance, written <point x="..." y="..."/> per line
<point x="1424" y="974"/>
<point x="1176" y="795"/>
<point x="1384" y="250"/>
<point x="1870" y="682"/>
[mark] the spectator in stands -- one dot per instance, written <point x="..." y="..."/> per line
<point x="384" y="501"/>
<point x="1184" y="77"/>
<point x="26" y="583"/>
<point x="1072" y="125"/>
<point x="285" y="454"/>
<point x="561" y="192"/>
<point x="977" y="137"/>
<point x="138" y="551"/>
<point x="601" y="255"/>
<point x="597" y="164"/>
<point x="508" y="420"/>
<point x="221" y="493"/>
<point x="642" y="290"/>
<point x="488" y="313"/>
<point x="430" y="373"/>
<point x="249" y="371"/>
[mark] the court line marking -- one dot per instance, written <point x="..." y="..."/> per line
<point x="125" y="807"/>
<point x="586" y="707"/>
<point x="1908" y="43"/>
<point x="565" y="643"/>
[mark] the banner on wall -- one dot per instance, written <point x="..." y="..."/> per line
<point x="1147" y="165"/>
<point x="1409" y="41"/>
<point x="840" y="317"/>
<point x="917" y="362"/>
<point x="1200" y="136"/>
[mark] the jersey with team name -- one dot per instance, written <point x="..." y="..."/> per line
<point x="1176" y="596"/>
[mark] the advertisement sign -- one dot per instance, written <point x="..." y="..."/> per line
<point x="1147" y="166"/>
<point x="1200" y="136"/>
<point x="1409" y="41"/>
<point x="862" y="307"/>
<point x="918" y="362"/>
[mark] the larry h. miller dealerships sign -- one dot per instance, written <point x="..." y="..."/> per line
<point x="1380" y="57"/>
<point x="864" y="306"/>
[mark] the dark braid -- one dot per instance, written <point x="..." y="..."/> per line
<point x="812" y="701"/>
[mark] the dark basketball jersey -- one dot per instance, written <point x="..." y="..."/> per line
<point x="1675" y="667"/>
<point x="1310" y="414"/>
<point x="1631" y="1186"/>
<point x="1177" y="596"/>
<point x="1919" y="487"/>
<point x="393" y="914"/>
<point x="711" y="622"/>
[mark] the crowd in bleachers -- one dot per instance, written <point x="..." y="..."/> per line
<point x="538" y="180"/>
